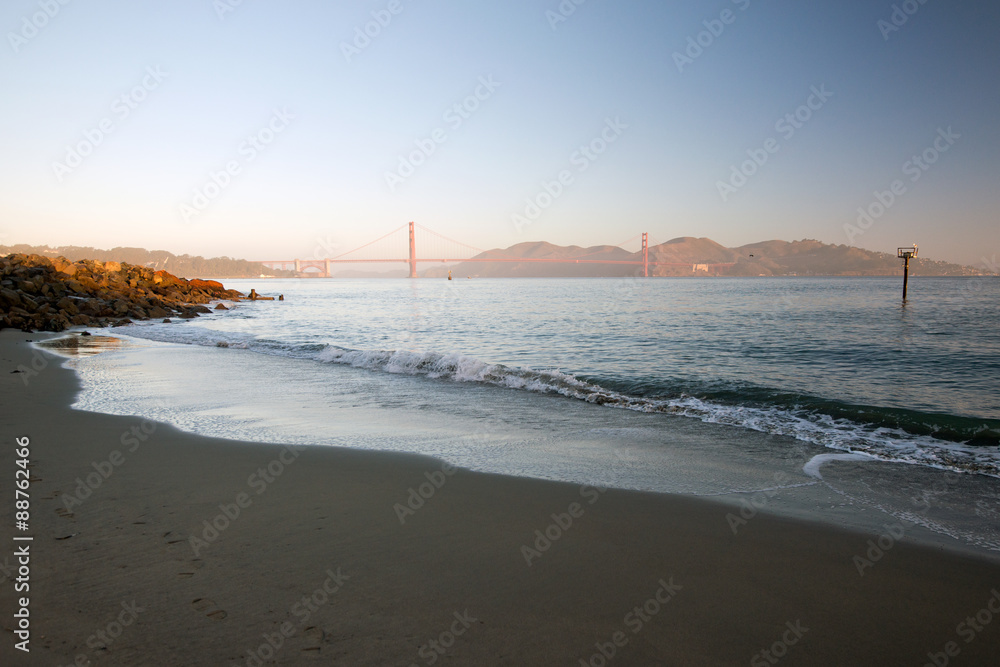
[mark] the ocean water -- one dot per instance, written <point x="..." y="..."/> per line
<point x="823" y="397"/>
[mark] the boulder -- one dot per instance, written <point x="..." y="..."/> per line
<point x="158" y="312"/>
<point x="62" y="265"/>
<point x="89" y="284"/>
<point x="92" y="307"/>
<point x="29" y="303"/>
<point x="13" y="322"/>
<point x="9" y="297"/>
<point x="164" y="278"/>
<point x="210" y="286"/>
<point x="68" y="306"/>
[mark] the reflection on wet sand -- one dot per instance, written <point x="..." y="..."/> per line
<point x="82" y="345"/>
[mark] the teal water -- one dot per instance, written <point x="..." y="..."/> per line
<point x="839" y="362"/>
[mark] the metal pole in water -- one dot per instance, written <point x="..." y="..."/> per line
<point x="906" y="254"/>
<point x="906" y="274"/>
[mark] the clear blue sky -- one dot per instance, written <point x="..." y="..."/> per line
<point x="337" y="123"/>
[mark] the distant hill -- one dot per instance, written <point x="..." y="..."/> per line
<point x="532" y="269"/>
<point x="184" y="266"/>
<point x="684" y="256"/>
<point x="812" y="258"/>
<point x="690" y="256"/>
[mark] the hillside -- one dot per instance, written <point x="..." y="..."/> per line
<point x="184" y="266"/>
<point x="535" y="269"/>
<point x="690" y="256"/>
<point x="812" y="258"/>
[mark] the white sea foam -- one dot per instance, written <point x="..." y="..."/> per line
<point x="815" y="463"/>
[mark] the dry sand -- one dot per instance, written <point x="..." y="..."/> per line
<point x="319" y="561"/>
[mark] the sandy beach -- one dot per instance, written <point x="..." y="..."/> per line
<point x="156" y="547"/>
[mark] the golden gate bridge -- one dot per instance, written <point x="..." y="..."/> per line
<point x="394" y="247"/>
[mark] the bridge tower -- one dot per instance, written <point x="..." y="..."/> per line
<point x="413" y="254"/>
<point x="328" y="267"/>
<point x="298" y="266"/>
<point x="645" y="254"/>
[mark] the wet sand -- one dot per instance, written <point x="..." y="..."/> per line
<point x="156" y="547"/>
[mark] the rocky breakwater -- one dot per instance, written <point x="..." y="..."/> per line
<point x="39" y="293"/>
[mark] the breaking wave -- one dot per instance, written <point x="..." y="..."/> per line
<point x="938" y="440"/>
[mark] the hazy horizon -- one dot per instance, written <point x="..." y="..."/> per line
<point x="269" y="131"/>
<point x="634" y="248"/>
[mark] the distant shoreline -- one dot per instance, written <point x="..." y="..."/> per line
<point x="685" y="256"/>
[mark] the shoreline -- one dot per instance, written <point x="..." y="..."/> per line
<point x="380" y="583"/>
<point x="748" y="469"/>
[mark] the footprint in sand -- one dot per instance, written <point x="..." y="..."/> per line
<point x="195" y="564"/>
<point x="313" y="638"/>
<point x="209" y="608"/>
